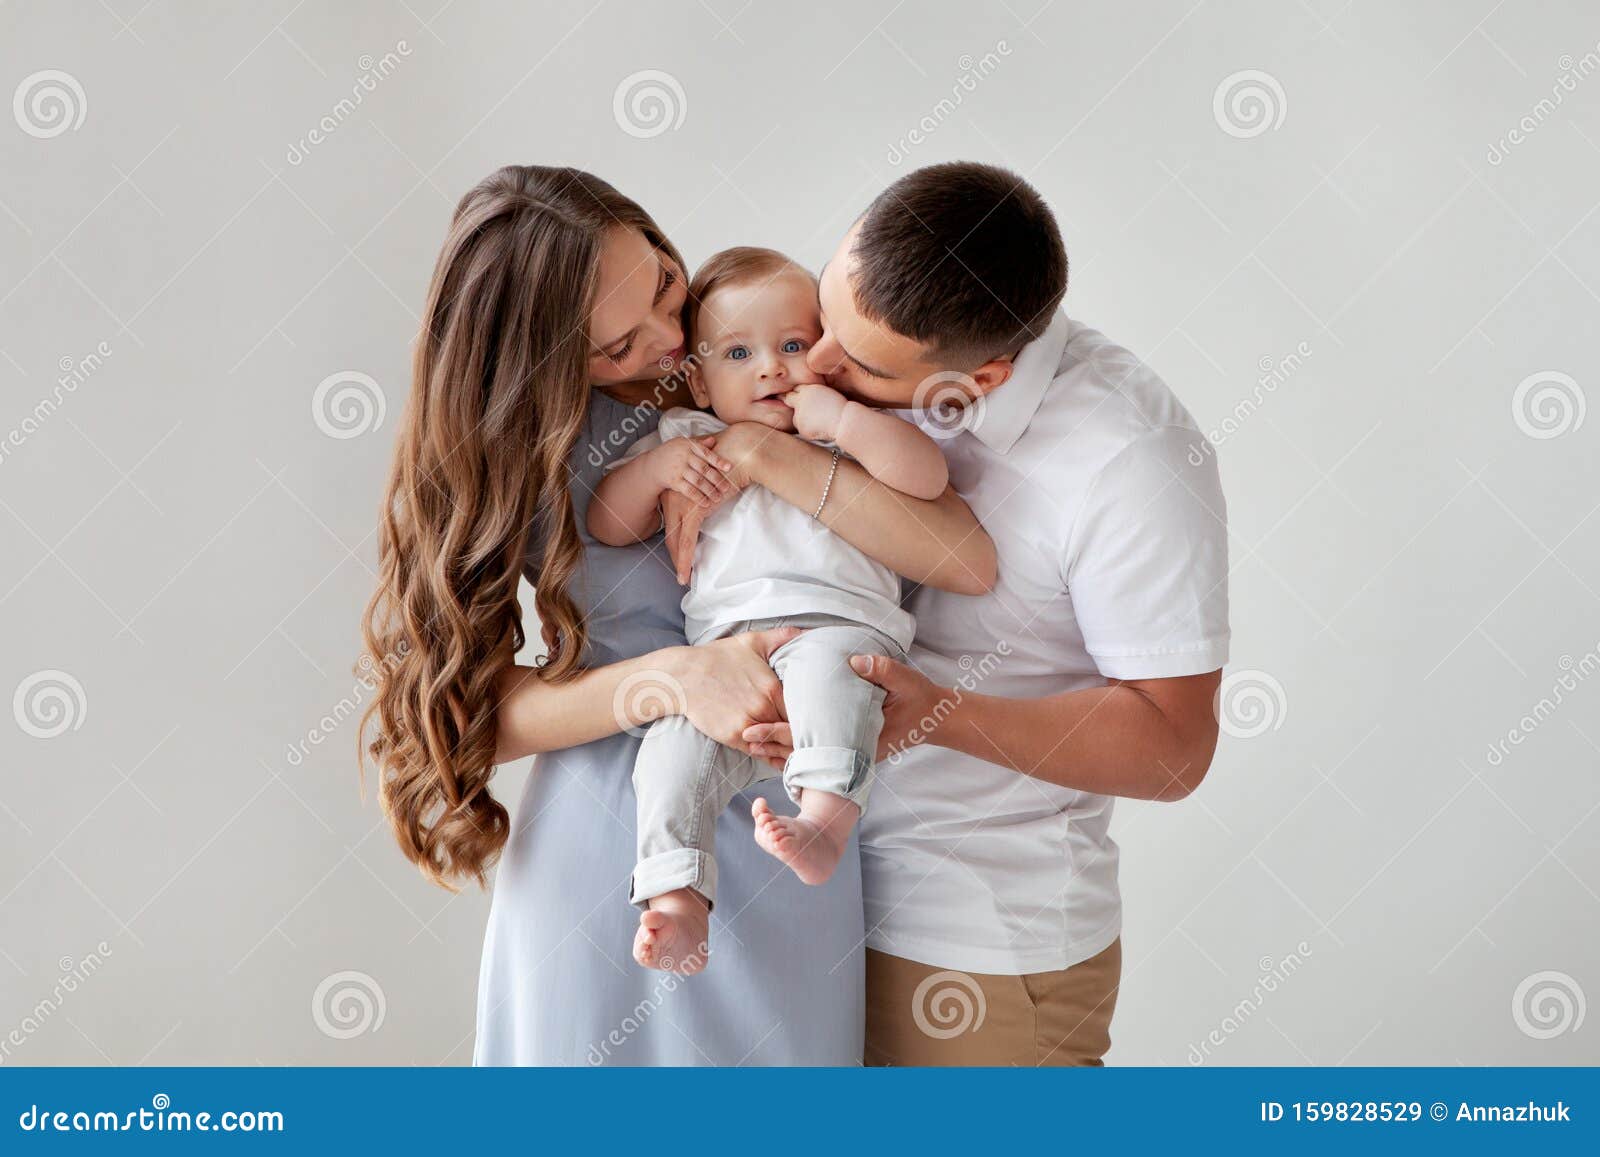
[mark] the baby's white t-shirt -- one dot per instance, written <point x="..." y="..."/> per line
<point x="760" y="558"/>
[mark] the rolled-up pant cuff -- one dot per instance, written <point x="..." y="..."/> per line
<point x="841" y="771"/>
<point x="668" y="871"/>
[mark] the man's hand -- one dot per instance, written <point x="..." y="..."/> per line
<point x="817" y="411"/>
<point x="910" y="700"/>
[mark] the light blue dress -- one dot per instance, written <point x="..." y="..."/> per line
<point x="558" y="985"/>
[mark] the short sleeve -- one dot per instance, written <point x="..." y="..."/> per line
<point x="1147" y="560"/>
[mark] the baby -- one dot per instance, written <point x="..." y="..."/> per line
<point x="761" y="563"/>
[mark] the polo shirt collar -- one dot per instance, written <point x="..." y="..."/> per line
<point x="1008" y="410"/>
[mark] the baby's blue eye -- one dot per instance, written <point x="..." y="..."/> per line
<point x="793" y="346"/>
<point x="738" y="353"/>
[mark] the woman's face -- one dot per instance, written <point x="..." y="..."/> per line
<point x="636" y="329"/>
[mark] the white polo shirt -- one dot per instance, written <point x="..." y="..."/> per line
<point x="1104" y="504"/>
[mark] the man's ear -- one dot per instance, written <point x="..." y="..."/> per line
<point x="991" y="375"/>
<point x="697" y="386"/>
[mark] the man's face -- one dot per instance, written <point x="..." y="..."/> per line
<point x="863" y="359"/>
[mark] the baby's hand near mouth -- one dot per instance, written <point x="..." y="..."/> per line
<point x="817" y="410"/>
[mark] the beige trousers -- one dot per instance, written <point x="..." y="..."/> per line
<point x="918" y="1014"/>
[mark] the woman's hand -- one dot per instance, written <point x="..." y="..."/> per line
<point x="911" y="701"/>
<point x="736" y="449"/>
<point x="691" y="467"/>
<point x="729" y="685"/>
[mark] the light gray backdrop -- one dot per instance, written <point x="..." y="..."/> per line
<point x="1359" y="239"/>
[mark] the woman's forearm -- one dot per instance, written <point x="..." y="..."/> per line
<point x="933" y="541"/>
<point x="536" y="716"/>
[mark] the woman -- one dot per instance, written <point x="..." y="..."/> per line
<point x="552" y="335"/>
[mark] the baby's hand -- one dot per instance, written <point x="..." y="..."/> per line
<point x="817" y="409"/>
<point x="691" y="468"/>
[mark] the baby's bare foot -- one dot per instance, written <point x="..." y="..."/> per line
<point x="812" y="849"/>
<point x="672" y="933"/>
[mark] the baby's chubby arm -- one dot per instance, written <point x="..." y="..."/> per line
<point x="892" y="450"/>
<point x="626" y="507"/>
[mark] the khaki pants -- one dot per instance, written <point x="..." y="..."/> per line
<point x="921" y="1015"/>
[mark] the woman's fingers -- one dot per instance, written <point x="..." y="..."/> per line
<point x="768" y="641"/>
<point x="703" y="449"/>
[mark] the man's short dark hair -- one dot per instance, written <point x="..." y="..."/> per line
<point x="966" y="258"/>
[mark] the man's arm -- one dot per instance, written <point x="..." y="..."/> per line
<point x="1140" y="738"/>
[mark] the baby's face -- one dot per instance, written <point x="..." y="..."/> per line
<point x="751" y="342"/>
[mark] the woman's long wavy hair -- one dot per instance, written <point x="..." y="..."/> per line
<point x="500" y="386"/>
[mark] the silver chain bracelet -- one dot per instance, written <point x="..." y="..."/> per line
<point x="833" y="469"/>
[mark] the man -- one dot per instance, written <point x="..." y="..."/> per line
<point x="1087" y="672"/>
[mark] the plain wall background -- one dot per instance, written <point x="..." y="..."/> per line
<point x="1414" y="569"/>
